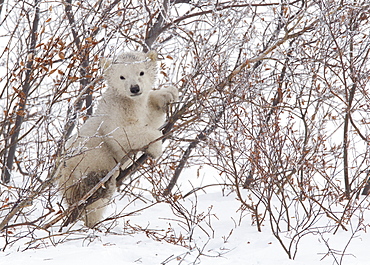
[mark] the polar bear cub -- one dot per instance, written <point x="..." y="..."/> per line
<point x="127" y="118"/>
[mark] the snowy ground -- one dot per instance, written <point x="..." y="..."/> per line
<point x="221" y="240"/>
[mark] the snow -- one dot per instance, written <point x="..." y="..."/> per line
<point x="225" y="236"/>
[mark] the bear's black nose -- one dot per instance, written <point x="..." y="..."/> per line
<point x="135" y="89"/>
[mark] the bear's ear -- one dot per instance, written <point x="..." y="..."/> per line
<point x="153" y="55"/>
<point x="105" y="63"/>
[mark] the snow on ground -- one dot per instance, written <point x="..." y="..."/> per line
<point x="221" y="240"/>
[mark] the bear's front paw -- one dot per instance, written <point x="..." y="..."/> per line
<point x="161" y="98"/>
<point x="172" y="94"/>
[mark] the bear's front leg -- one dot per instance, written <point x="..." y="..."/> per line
<point x="155" y="149"/>
<point x="159" y="99"/>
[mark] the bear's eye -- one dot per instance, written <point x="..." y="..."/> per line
<point x="122" y="77"/>
<point x="141" y="73"/>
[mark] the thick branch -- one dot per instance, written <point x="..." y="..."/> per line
<point x="21" y="112"/>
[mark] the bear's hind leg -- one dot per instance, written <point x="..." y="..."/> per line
<point x="94" y="212"/>
<point x="92" y="209"/>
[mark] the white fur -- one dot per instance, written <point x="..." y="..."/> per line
<point x="126" y="119"/>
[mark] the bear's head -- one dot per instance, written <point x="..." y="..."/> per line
<point x="131" y="74"/>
